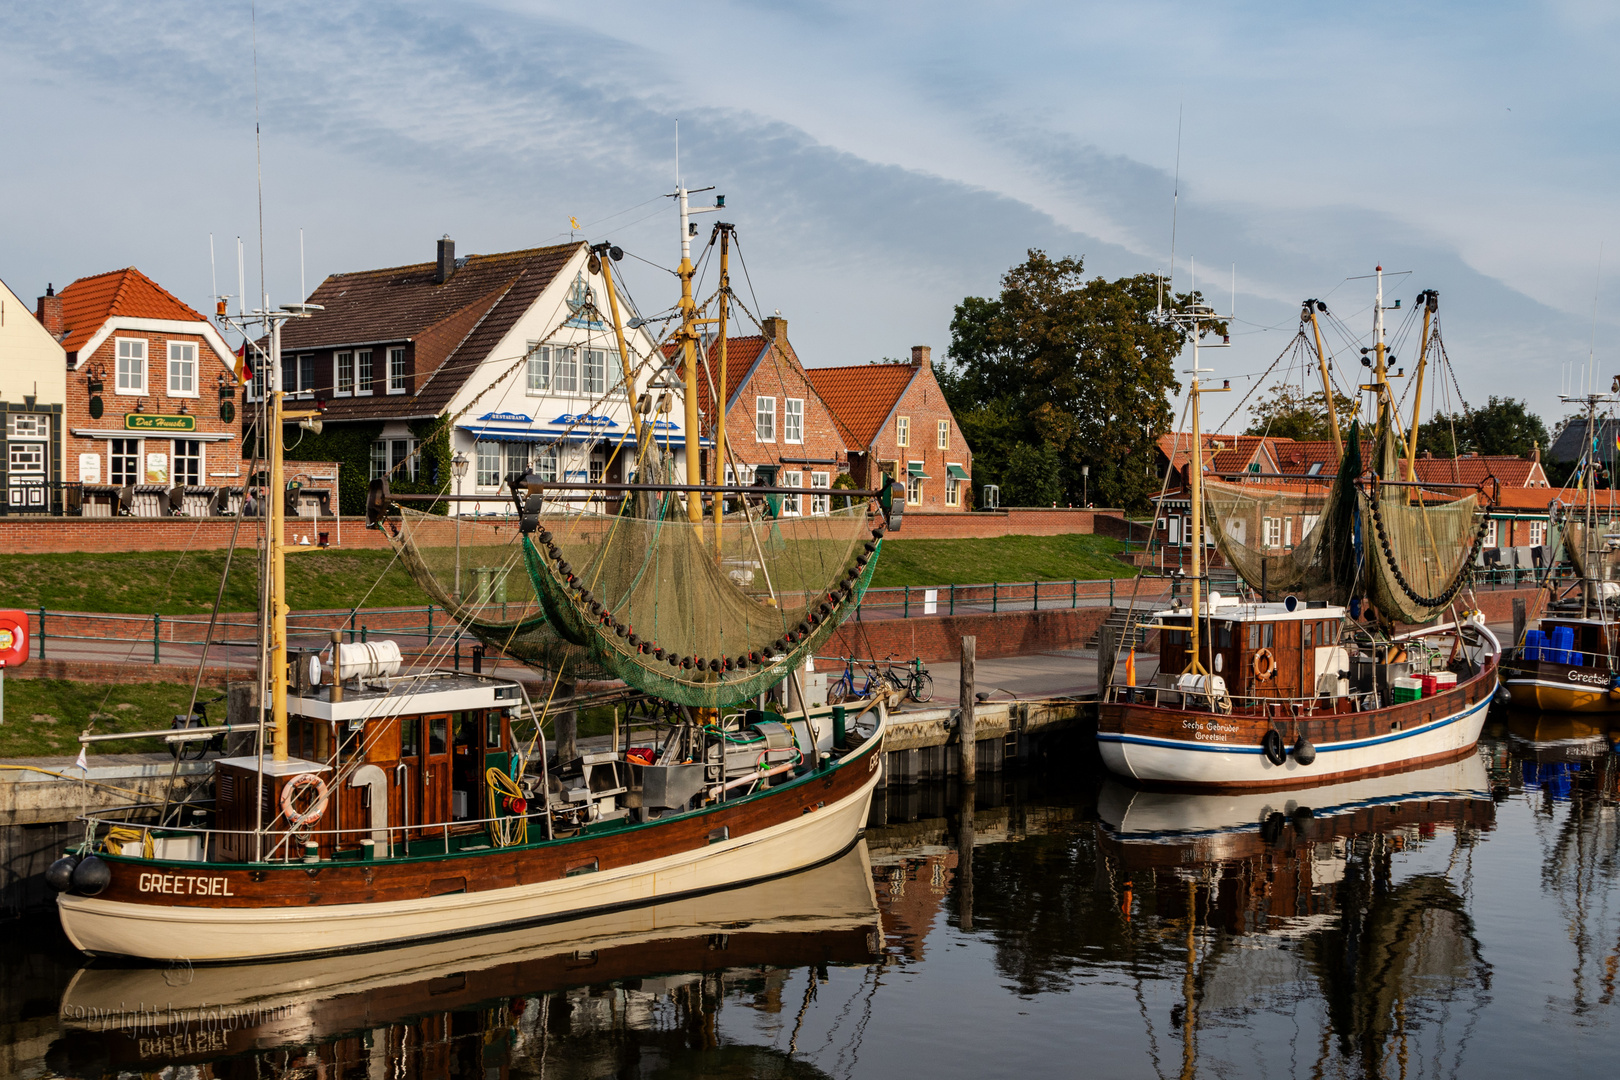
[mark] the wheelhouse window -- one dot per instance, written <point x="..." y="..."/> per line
<point x="131" y="376"/>
<point x="765" y="419"/>
<point x="182" y="369"/>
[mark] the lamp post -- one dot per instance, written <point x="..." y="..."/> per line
<point x="1085" y="485"/>
<point x="458" y="469"/>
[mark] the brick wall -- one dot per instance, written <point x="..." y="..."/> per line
<point x="779" y="376"/>
<point x="928" y="524"/>
<point x="939" y="638"/>
<point x="923" y="405"/>
<point x="39" y="535"/>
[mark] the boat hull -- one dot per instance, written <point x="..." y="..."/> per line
<point x="1195" y="749"/>
<point x="1541" y="686"/>
<point x="246" y="912"/>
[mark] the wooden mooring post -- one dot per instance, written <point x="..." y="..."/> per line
<point x="968" y="758"/>
<point x="1518" y="620"/>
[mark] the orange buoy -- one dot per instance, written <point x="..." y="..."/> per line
<point x="1130" y="667"/>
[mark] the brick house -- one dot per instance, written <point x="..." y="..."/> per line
<point x="33" y="390"/>
<point x="510" y="351"/>
<point x="151" y="398"/>
<point x="894" y="419"/>
<point x="774" y="416"/>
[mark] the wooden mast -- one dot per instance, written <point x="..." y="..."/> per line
<point x="1431" y="302"/>
<point x="1327" y="382"/>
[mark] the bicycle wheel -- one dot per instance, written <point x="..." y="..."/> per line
<point x="922" y="686"/>
<point x="836" y="692"/>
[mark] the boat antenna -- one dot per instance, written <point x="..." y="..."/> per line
<point x="1175" y="205"/>
<point x="302" y="294"/>
<point x="258" y="152"/>
<point x="1591" y="349"/>
<point x="241" y="282"/>
<point x="213" y="268"/>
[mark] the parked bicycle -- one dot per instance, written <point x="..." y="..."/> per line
<point x="915" y="680"/>
<point x="870" y="679"/>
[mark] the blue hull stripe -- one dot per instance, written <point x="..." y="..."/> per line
<point x="1326" y="748"/>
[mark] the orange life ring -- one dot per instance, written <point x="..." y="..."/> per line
<point x="1264" y="666"/>
<point x="315" y="809"/>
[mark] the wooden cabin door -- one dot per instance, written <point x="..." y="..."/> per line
<point x="405" y="778"/>
<point x="436" y="765"/>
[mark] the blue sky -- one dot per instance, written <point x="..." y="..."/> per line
<point x="881" y="161"/>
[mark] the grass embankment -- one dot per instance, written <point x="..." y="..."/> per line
<point x="927" y="563"/>
<point x="44" y="716"/>
<point x="185" y="583"/>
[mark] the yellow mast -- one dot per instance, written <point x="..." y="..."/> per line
<point x="687" y="337"/>
<point x="1196" y="666"/>
<point x="604" y="255"/>
<point x="1430" y="301"/>
<point x="720" y="387"/>
<point x="1327" y="383"/>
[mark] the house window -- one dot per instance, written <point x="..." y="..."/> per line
<point x="131" y="366"/>
<point x="1288" y="532"/>
<point x="539" y="368"/>
<point x="765" y="419"/>
<point x="790" y="503"/>
<point x="914" y="492"/>
<point x="953" y="489"/>
<point x="488" y="455"/>
<point x="902" y="431"/>
<point x="379" y="459"/>
<point x="344" y="362"/>
<point x="28" y="426"/>
<point x="544" y="462"/>
<point x="402" y="452"/>
<point x="188" y="468"/>
<point x="565" y="370"/>
<point x="741" y="477"/>
<point x="1538" y="533"/>
<point x="595" y="371"/>
<point x="820" y="482"/>
<point x="1490" y="534"/>
<point x="1272" y="531"/>
<point x="362" y="373"/>
<point x="298" y="375"/>
<point x="124" y="463"/>
<point x="793" y="420"/>
<point x="944" y="435"/>
<point x="396" y="371"/>
<point x="517" y="459"/>
<point x="182" y="369"/>
<point x="598" y="467"/>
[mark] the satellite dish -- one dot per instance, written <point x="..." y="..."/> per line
<point x="1290" y="602"/>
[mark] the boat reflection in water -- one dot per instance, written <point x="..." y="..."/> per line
<point x="627" y="991"/>
<point x="1340" y="910"/>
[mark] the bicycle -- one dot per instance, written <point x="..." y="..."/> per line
<point x="915" y="682"/>
<point x="843" y="688"/>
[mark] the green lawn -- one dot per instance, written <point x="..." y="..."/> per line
<point x="184" y="583"/>
<point x="44" y="716"/>
<point x="1004" y="558"/>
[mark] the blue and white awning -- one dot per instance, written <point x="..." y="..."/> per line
<point x="568" y="427"/>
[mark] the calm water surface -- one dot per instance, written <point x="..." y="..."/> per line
<point x="1459" y="921"/>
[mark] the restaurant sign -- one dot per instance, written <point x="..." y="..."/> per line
<point x="155" y="422"/>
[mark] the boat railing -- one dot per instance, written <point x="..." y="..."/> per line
<point x="1267" y="705"/>
<point x="1545" y="652"/>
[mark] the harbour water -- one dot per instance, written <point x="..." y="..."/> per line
<point x="1458" y="921"/>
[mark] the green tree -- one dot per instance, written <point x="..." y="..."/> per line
<point x="1290" y="413"/>
<point x="1504" y="426"/>
<point x="1057" y="373"/>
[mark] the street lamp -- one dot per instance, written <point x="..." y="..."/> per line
<point x="1085" y="485"/>
<point x="458" y="469"/>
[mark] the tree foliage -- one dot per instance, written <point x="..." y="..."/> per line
<point x="1058" y="373"/>
<point x="1290" y="413"/>
<point x="1503" y="426"/>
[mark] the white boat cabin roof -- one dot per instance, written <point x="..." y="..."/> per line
<point x="405" y="695"/>
<point x="1231" y="608"/>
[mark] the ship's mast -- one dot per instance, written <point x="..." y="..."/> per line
<point x="1191" y="320"/>
<point x="724" y="298"/>
<point x="1327" y="382"/>
<point x="1380" y="373"/>
<point x="688" y="338"/>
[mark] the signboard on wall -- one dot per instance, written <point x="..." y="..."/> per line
<point x="157" y="468"/>
<point x="158" y="422"/>
<point x="90" y="468"/>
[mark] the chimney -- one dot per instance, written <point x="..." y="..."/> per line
<point x="447" y="260"/>
<point x="774" y="328"/>
<point x="920" y="356"/>
<point x="49" y="313"/>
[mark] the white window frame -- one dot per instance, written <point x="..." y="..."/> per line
<point x="177" y="365"/>
<point x="1288" y="532"/>
<point x="538" y="373"/>
<point x="201" y="456"/>
<point x="914" y="485"/>
<point x="821" y="493"/>
<point x="791" y="506"/>
<point x="119" y="382"/>
<point x="902" y="431"/>
<point x="1490" y="534"/>
<point x="1271" y="532"/>
<point x="764" y="419"/>
<point x="593" y="371"/>
<point x="365" y="373"/>
<point x="953" y="490"/>
<point x="379" y="459"/>
<point x="128" y="456"/>
<point x="742" y="476"/>
<point x="565" y="369"/>
<point x="793" y="410"/>
<point x="403" y="452"/>
<point x="1538" y="533"/>
<point x="543" y="460"/>
<point x="343" y="374"/>
<point x="487" y="465"/>
<point x="397" y="375"/>
<point x="944" y="435"/>
<point x="516" y="457"/>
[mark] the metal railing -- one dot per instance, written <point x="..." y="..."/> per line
<point x="913" y="601"/>
<point x="1195" y="700"/>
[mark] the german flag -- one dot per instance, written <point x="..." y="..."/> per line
<point x="243" y="370"/>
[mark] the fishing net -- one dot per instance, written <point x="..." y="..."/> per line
<point x="695" y="613"/>
<point x="495" y="601"/>
<point x="1419" y="554"/>
<point x="1596" y="556"/>
<point x="1292" y="537"/>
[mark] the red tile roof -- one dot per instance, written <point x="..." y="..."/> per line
<point x="861" y="396"/>
<point x="89" y="302"/>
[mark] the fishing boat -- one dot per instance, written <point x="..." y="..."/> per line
<point x="1569" y="661"/>
<point x="1321" y="684"/>
<point x="379" y="805"/>
<point x="145" y="1018"/>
